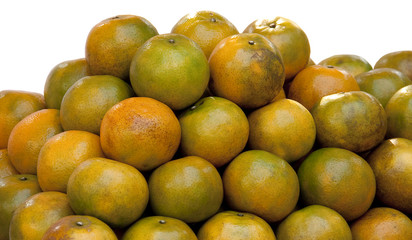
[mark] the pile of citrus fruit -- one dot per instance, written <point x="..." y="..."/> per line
<point x="207" y="133"/>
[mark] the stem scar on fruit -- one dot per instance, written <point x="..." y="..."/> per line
<point x="171" y="40"/>
<point x="251" y="42"/>
<point x="79" y="224"/>
<point x="162" y="221"/>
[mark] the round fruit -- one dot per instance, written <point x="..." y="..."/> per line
<point x="206" y="28"/>
<point x="112" y="43"/>
<point x="392" y="166"/>
<point x="400" y="60"/>
<point x="281" y="95"/>
<point x="87" y="100"/>
<point x="79" y="228"/>
<point x="289" y="39"/>
<point x="14" y="106"/>
<point x="284" y="128"/>
<point x="247" y="69"/>
<point x="112" y="191"/>
<point x="6" y="168"/>
<point x="215" y="129"/>
<point x="259" y="182"/>
<point x="170" y="68"/>
<point x="61" y="154"/>
<point x="140" y="131"/>
<point x="314" y="222"/>
<point x="352" y="120"/>
<point x="352" y="64"/>
<point x="338" y="179"/>
<point x="189" y="189"/>
<point x="399" y="113"/>
<point x="61" y="78"/>
<point x="315" y="82"/>
<point x="159" y="227"/>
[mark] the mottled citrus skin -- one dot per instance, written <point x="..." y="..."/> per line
<point x="14" y="190"/>
<point x="247" y="69"/>
<point x="6" y="168"/>
<point x="231" y="225"/>
<point x="382" y="223"/>
<point x="399" y="60"/>
<point x="80" y="228"/>
<point x="289" y="39"/>
<point x="112" y="191"/>
<point x="158" y="228"/>
<point x="352" y="64"/>
<point x="392" y="166"/>
<point x="14" y="106"/>
<point x="206" y="28"/>
<point x="112" y="43"/>
<point x="399" y="114"/>
<point x="314" y="222"/>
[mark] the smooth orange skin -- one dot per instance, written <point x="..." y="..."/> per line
<point x="29" y="136"/>
<point x="6" y="168"/>
<point x="399" y="60"/>
<point x="14" y="106"/>
<point x="382" y="223"/>
<point x="352" y="64"/>
<point x="399" y="114"/>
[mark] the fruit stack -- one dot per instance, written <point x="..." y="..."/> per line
<point x="207" y="133"/>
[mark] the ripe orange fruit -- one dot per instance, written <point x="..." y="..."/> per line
<point x="315" y="82"/>
<point x="399" y="60"/>
<point x="289" y="39"/>
<point x="79" y="228"/>
<point x="14" y="190"/>
<point x="392" y="166"/>
<point x="159" y="227"/>
<point x="215" y="129"/>
<point x="189" y="189"/>
<point x="112" y="191"/>
<point x="61" y="154"/>
<point x="206" y="28"/>
<point x="352" y="120"/>
<point x="314" y="222"/>
<point x="170" y="68"/>
<point x="399" y="113"/>
<point x="14" y="106"/>
<point x="61" y="78"/>
<point x="231" y="225"/>
<point x="6" y="168"/>
<point x="382" y="223"/>
<point x="33" y="217"/>
<point x="87" y="100"/>
<point x="338" y="179"/>
<point x="285" y="128"/>
<point x="112" y="43"/>
<point x="29" y="136"/>
<point x="351" y="63"/>
<point x="140" y="131"/>
<point x="259" y="182"/>
<point x="247" y="69"/>
<point x="281" y="95"/>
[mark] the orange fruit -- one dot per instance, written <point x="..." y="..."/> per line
<point x="14" y="106"/>
<point x="159" y="227"/>
<point x="112" y="43"/>
<point x="399" y="60"/>
<point x="289" y="39"/>
<point x="338" y="179"/>
<point x="170" y="68"/>
<point x="33" y="217"/>
<point x="29" y="135"/>
<point x="314" y="222"/>
<point x="206" y="28"/>
<point x="61" y="154"/>
<point x="114" y="192"/>
<point x="14" y="190"/>
<point x="79" y="228"/>
<point x="399" y="113"/>
<point x="87" y="100"/>
<point x="315" y="82"/>
<point x="281" y="95"/>
<point x="6" y="168"/>
<point x="61" y="78"/>
<point x="259" y="182"/>
<point x="246" y="69"/>
<point x="231" y="225"/>
<point x="285" y="128"/>
<point x="189" y="189"/>
<point x="140" y="131"/>
<point x="382" y="83"/>
<point x="392" y="166"/>
<point x="382" y="223"/>
<point x="351" y="63"/>
<point x="215" y="129"/>
<point x="352" y="120"/>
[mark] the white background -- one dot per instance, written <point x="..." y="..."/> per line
<point x="37" y="35"/>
